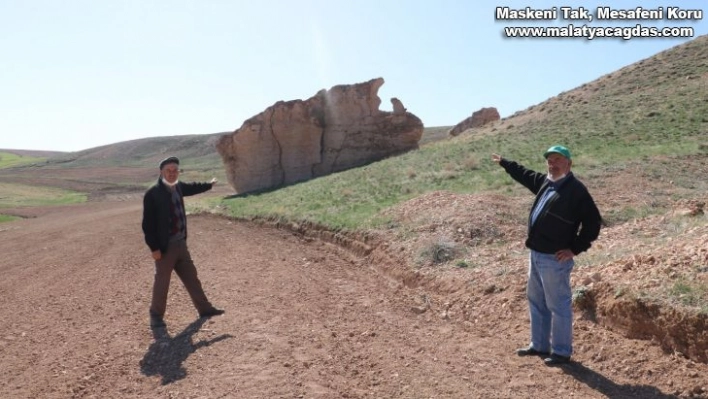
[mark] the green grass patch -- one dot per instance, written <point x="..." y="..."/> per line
<point x="7" y="218"/>
<point x="691" y="294"/>
<point x="16" y="195"/>
<point x="353" y="199"/>
<point x="627" y="213"/>
<point x="8" y="160"/>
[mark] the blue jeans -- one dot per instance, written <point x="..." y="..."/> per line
<point x="550" y="304"/>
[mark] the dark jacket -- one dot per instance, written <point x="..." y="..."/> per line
<point x="570" y="219"/>
<point x="156" y="211"/>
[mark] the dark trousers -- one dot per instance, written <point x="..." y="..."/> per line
<point x="177" y="258"/>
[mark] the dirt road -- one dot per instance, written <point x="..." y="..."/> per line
<point x="304" y="319"/>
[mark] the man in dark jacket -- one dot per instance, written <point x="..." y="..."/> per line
<point x="564" y="221"/>
<point x="165" y="228"/>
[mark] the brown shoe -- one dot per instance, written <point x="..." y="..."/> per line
<point x="211" y="312"/>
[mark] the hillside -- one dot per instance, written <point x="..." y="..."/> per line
<point x="115" y="168"/>
<point x="447" y="220"/>
<point x="615" y="126"/>
<point x="32" y="153"/>
<point x="446" y="212"/>
<point x="199" y="148"/>
<point x="653" y="107"/>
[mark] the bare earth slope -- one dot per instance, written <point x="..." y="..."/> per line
<point x="305" y="319"/>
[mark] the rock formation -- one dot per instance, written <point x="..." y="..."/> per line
<point x="334" y="130"/>
<point x="398" y="107"/>
<point x="479" y="118"/>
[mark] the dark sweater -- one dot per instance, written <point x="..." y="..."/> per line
<point x="157" y="217"/>
<point x="570" y="219"/>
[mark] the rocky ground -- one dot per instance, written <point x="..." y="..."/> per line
<point x="311" y="314"/>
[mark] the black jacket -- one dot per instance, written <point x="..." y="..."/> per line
<point x="570" y="219"/>
<point x="156" y="211"/>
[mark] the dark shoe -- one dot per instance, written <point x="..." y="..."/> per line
<point x="211" y="312"/>
<point x="156" y="322"/>
<point x="530" y="351"/>
<point x="555" y="360"/>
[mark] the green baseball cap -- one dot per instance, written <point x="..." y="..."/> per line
<point x="558" y="149"/>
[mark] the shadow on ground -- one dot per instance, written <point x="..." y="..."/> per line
<point x="166" y="355"/>
<point x="609" y="388"/>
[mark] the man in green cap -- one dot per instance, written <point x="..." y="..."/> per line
<point x="563" y="222"/>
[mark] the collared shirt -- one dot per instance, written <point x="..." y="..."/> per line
<point x="550" y="190"/>
<point x="177" y="216"/>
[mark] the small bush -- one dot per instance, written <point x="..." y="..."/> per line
<point x="584" y="300"/>
<point x="580" y="294"/>
<point x="471" y="163"/>
<point x="440" y="251"/>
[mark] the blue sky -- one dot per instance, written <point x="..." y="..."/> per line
<point x="76" y="74"/>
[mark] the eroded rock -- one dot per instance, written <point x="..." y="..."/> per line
<point x="478" y="119"/>
<point x="334" y="130"/>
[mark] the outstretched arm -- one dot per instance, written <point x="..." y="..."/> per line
<point x="196" y="188"/>
<point x="527" y="177"/>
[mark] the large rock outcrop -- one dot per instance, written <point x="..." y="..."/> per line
<point x="478" y="119"/>
<point x="334" y="130"/>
